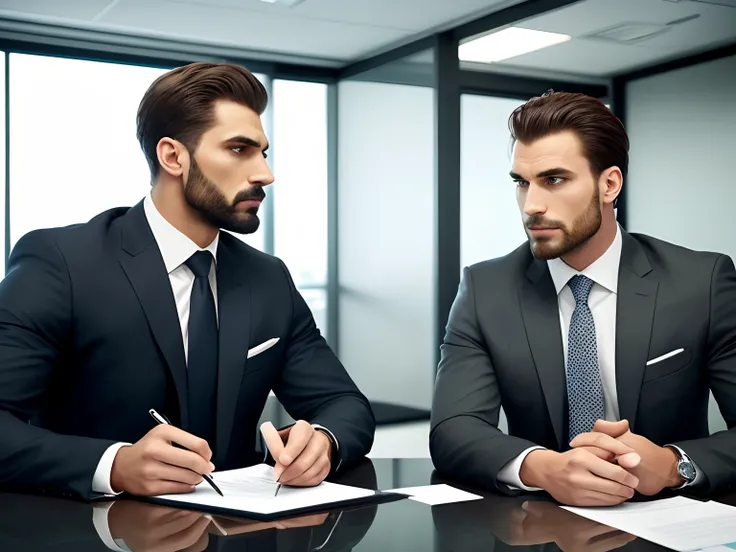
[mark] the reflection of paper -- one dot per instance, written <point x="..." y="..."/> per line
<point x="436" y="494"/>
<point x="678" y="523"/>
<point x="252" y="490"/>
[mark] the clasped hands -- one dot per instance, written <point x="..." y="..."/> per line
<point x="604" y="467"/>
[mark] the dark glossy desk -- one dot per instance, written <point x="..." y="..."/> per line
<point x="496" y="523"/>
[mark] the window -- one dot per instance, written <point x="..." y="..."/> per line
<point x="300" y="190"/>
<point x="74" y="152"/>
<point x="2" y="160"/>
<point x="491" y="225"/>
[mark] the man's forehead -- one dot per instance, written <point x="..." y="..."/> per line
<point x="236" y="119"/>
<point x="556" y="150"/>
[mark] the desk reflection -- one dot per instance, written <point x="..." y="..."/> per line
<point x="524" y="523"/>
<point x="44" y="523"/>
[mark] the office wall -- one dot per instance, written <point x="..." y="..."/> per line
<point x="385" y="198"/>
<point x="680" y="186"/>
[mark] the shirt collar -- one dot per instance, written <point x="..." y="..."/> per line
<point x="175" y="247"/>
<point x="604" y="271"/>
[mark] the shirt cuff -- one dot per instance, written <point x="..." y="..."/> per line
<point x="510" y="473"/>
<point x="101" y="479"/>
<point x="99" y="519"/>
<point x="334" y="440"/>
<point x="699" y="476"/>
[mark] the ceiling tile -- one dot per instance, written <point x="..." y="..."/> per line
<point x="584" y="57"/>
<point x="250" y="30"/>
<point x="79" y="9"/>
<point x="715" y="26"/>
<point x="397" y="14"/>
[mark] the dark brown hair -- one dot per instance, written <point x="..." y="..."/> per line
<point x="179" y="104"/>
<point x="604" y="139"/>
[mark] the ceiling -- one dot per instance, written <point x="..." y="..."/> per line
<point x="587" y="55"/>
<point x="320" y="32"/>
<point x="333" y="33"/>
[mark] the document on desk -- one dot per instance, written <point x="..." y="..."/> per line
<point x="678" y="523"/>
<point x="436" y="494"/>
<point x="250" y="492"/>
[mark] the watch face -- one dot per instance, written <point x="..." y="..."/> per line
<point x="686" y="470"/>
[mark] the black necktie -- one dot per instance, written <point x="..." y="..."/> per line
<point x="202" y="359"/>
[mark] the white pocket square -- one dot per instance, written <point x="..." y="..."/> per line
<point x="665" y="357"/>
<point x="266" y="345"/>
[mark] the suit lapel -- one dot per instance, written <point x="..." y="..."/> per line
<point x="234" y="308"/>
<point x="637" y="297"/>
<point x="143" y="265"/>
<point x="540" y="312"/>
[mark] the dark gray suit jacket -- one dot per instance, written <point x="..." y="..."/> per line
<point x="503" y="347"/>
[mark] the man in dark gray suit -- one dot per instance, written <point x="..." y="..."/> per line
<point x="600" y="345"/>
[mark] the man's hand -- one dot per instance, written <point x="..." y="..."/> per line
<point x="540" y="522"/>
<point x="658" y="467"/>
<point x="234" y="526"/>
<point x="154" y="466"/>
<point x="603" y="445"/>
<point x="302" y="454"/>
<point x="579" y="477"/>
<point x="149" y="528"/>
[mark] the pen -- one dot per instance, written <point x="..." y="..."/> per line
<point x="163" y="421"/>
<point x="278" y="488"/>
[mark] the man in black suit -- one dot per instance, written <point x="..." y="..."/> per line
<point x="153" y="307"/>
<point x="600" y="345"/>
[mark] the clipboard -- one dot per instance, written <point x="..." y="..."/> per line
<point x="379" y="497"/>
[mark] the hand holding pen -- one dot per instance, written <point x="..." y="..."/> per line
<point x="161" y="420"/>
<point x="155" y="466"/>
<point x="302" y="454"/>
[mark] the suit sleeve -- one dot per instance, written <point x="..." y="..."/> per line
<point x="315" y="387"/>
<point x="35" y="335"/>
<point x="716" y="455"/>
<point x="465" y="442"/>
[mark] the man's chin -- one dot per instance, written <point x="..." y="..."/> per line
<point x="242" y="225"/>
<point x="544" y="250"/>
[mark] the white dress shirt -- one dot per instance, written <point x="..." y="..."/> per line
<point x="602" y="304"/>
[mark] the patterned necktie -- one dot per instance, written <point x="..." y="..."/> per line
<point x="584" y="385"/>
<point x="203" y="350"/>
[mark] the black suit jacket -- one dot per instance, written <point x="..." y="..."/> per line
<point x="90" y="340"/>
<point x="503" y="347"/>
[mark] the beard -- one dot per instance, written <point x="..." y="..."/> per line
<point x="202" y="194"/>
<point x="584" y="228"/>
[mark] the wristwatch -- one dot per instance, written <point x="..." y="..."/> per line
<point x="685" y="467"/>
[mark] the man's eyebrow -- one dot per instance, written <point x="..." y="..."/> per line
<point x="557" y="171"/>
<point x="244" y="140"/>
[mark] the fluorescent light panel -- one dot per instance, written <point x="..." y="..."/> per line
<point x="508" y="43"/>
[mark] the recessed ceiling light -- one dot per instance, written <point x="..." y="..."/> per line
<point x="508" y="43"/>
<point x="287" y="3"/>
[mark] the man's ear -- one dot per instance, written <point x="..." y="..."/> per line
<point x="173" y="157"/>
<point x="611" y="183"/>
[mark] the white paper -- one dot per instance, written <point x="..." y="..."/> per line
<point x="678" y="523"/>
<point x="252" y="490"/>
<point x="436" y="494"/>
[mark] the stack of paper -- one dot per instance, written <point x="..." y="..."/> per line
<point x="677" y="523"/>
